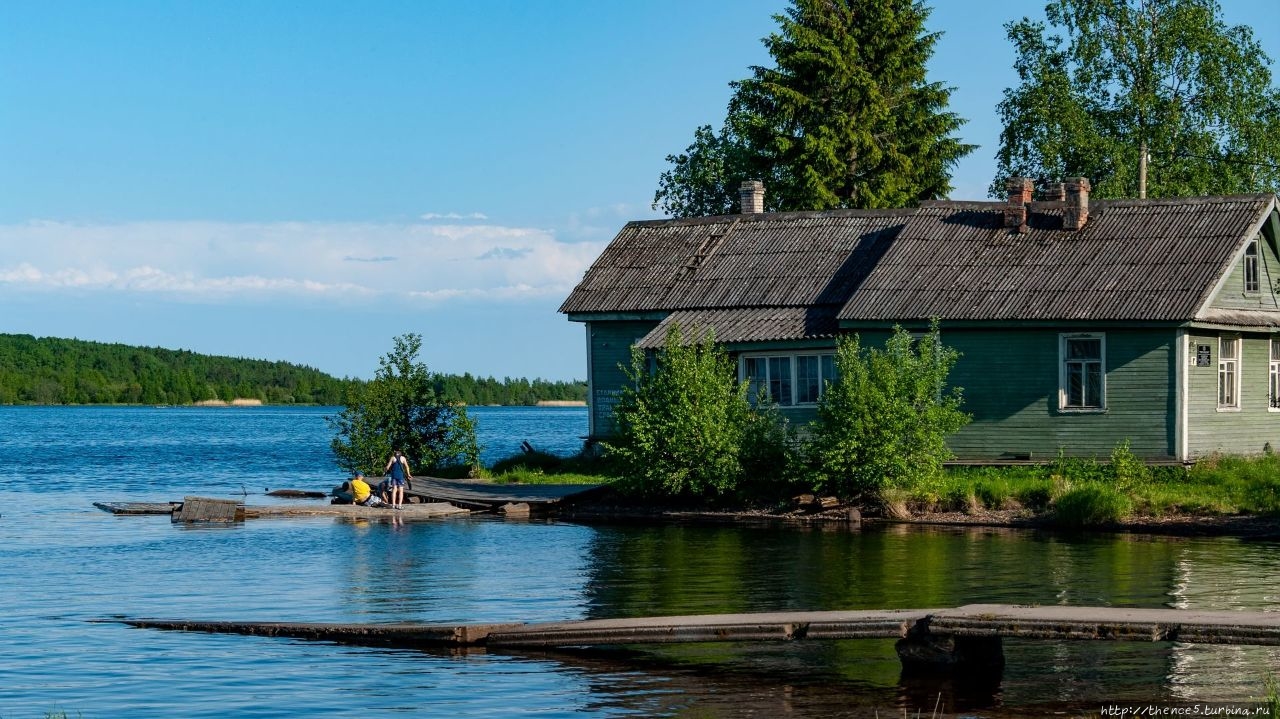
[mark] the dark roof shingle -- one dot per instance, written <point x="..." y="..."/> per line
<point x="755" y="324"/>
<point x="1156" y="260"/>
<point x="776" y="260"/>
<point x="1133" y="260"/>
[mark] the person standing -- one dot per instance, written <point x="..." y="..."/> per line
<point x="397" y="470"/>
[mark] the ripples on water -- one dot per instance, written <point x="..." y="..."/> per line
<point x="66" y="564"/>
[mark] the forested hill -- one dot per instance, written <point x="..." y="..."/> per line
<point x="61" y="371"/>
<point x="64" y="371"/>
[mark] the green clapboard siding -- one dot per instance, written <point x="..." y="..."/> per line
<point x="610" y="352"/>
<point x="1243" y="431"/>
<point x="1010" y="383"/>
<point x="1232" y="295"/>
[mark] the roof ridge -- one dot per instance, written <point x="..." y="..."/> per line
<point x="767" y="216"/>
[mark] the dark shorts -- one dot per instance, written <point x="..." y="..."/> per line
<point x="396" y="481"/>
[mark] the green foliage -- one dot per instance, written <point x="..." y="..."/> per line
<point x="67" y="371"/>
<point x="1217" y="485"/>
<point x="400" y="408"/>
<point x="845" y="118"/>
<point x="704" y="179"/>
<point x="884" y="422"/>
<point x="770" y="461"/>
<point x="1167" y="73"/>
<point x="1090" y="504"/>
<point x="1127" y="471"/>
<point x="681" y="428"/>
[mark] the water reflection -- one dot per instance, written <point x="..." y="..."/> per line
<point x="657" y="570"/>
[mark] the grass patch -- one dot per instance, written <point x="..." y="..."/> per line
<point x="1089" y="491"/>
<point x="525" y="476"/>
<point x="545" y="468"/>
<point x="1091" y="504"/>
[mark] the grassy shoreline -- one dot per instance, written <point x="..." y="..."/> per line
<point x="1219" y="494"/>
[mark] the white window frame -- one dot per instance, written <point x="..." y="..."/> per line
<point x="1234" y="366"/>
<point x="1273" y="376"/>
<point x="1063" y="392"/>
<point x="1251" y="267"/>
<point x="795" y="372"/>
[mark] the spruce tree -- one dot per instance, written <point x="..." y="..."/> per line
<point x="846" y="118"/>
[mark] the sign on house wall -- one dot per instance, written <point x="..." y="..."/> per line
<point x="1202" y="356"/>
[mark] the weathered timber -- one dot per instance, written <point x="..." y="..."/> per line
<point x="136" y="507"/>
<point x="297" y="494"/>
<point x="970" y="621"/>
<point x="410" y="511"/>
<point x="208" y="509"/>
<point x="422" y="510"/>
<point x="490" y="495"/>
<point x="399" y="635"/>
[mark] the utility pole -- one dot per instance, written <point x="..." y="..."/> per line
<point x="1142" y="171"/>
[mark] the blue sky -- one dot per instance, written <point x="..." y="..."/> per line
<point x="304" y="180"/>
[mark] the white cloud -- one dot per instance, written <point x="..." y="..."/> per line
<point x="430" y="216"/>
<point x="306" y="261"/>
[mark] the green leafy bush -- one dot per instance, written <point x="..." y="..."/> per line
<point x="681" y="428"/>
<point x="883" y="423"/>
<point x="1127" y="471"/>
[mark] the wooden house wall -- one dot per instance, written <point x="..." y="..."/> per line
<point x="1232" y="295"/>
<point x="610" y="348"/>
<point x="1244" y="431"/>
<point x="1010" y="381"/>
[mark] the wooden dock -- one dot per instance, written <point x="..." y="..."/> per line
<point x="928" y="639"/>
<point x="421" y="510"/>
<point x="491" y="495"/>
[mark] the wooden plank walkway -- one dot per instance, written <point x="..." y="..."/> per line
<point x="490" y="494"/>
<point x="976" y="621"/>
<point x="422" y="510"/>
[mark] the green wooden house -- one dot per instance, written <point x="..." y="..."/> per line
<point x="1081" y="324"/>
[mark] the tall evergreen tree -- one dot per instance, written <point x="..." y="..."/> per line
<point x="846" y="118"/>
<point x="1167" y="75"/>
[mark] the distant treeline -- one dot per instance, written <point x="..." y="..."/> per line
<point x="65" y="371"/>
<point x="519" y="391"/>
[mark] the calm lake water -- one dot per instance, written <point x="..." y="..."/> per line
<point x="66" y="565"/>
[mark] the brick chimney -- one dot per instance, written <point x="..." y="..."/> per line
<point x="1015" y="213"/>
<point x="751" y="197"/>
<point x="1076" y="210"/>
<point x="1055" y="192"/>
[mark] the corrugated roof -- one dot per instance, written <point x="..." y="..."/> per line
<point x="770" y="260"/>
<point x="1133" y="260"/>
<point x="754" y="324"/>
<point x="1154" y="260"/>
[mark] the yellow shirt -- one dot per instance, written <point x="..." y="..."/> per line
<point x="360" y="490"/>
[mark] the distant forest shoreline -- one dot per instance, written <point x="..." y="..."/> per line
<point x="53" y="371"/>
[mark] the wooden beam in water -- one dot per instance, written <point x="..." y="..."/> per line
<point x="979" y="620"/>
<point x="208" y="509"/>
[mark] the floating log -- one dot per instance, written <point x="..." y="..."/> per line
<point x="297" y="493"/>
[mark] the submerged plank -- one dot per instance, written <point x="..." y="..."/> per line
<point x="971" y="621"/>
<point x="410" y="511"/>
<point x="135" y="507"/>
<point x="421" y="510"/>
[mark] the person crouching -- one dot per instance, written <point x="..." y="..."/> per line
<point x="362" y="494"/>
